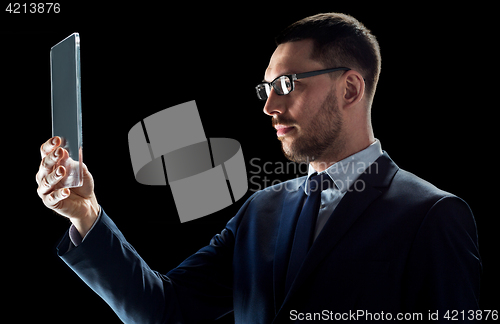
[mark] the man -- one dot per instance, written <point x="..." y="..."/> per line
<point x="356" y="239"/>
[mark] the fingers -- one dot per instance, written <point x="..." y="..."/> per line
<point x="49" y="173"/>
<point x="54" y="199"/>
<point x="49" y="182"/>
<point x="49" y="162"/>
<point x="46" y="190"/>
<point x="50" y="145"/>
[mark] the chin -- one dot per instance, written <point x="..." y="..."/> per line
<point x="286" y="145"/>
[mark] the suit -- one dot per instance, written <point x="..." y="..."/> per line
<point x="398" y="245"/>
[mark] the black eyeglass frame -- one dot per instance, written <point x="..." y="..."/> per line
<point x="294" y="77"/>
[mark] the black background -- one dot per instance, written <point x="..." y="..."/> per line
<point x="433" y="113"/>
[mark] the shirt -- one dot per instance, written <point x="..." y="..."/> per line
<point x="345" y="175"/>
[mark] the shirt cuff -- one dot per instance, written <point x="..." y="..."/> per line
<point x="75" y="236"/>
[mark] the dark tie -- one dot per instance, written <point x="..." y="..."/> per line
<point x="306" y="225"/>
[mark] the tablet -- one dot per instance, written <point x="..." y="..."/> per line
<point x="66" y="106"/>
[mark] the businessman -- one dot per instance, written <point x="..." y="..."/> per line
<point x="358" y="238"/>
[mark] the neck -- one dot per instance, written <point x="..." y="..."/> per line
<point x="340" y="152"/>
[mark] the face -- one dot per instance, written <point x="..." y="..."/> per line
<point x="308" y="121"/>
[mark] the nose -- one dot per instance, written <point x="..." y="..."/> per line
<point x="275" y="104"/>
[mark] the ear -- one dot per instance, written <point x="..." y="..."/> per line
<point x="354" y="88"/>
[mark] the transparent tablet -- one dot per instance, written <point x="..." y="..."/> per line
<point x="66" y="106"/>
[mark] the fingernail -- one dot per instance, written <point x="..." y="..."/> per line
<point x="59" y="171"/>
<point x="54" y="140"/>
<point x="64" y="192"/>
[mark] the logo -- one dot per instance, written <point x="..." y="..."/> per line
<point x="170" y="147"/>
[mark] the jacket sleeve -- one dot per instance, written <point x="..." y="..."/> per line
<point x="199" y="289"/>
<point x="444" y="266"/>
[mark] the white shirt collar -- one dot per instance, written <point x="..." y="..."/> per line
<point x="344" y="173"/>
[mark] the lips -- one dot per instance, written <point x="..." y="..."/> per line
<point x="281" y="130"/>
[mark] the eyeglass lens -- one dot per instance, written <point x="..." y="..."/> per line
<point x="282" y="85"/>
<point x="263" y="91"/>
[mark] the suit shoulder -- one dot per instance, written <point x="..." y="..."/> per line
<point x="415" y="189"/>
<point x="417" y="199"/>
<point x="423" y="193"/>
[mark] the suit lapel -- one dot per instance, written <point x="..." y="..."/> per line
<point x="343" y="217"/>
<point x="289" y="214"/>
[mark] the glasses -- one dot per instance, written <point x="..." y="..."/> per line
<point x="285" y="84"/>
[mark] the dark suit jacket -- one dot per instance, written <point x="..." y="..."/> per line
<point x="398" y="245"/>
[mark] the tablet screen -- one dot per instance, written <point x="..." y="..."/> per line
<point x="66" y="106"/>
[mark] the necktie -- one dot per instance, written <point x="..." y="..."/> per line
<point x="306" y="225"/>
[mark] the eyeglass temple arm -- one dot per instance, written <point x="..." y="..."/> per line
<point x="313" y="73"/>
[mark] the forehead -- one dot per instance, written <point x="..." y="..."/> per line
<point x="291" y="57"/>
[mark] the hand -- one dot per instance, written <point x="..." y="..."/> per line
<point x="77" y="204"/>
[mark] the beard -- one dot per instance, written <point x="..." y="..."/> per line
<point x="324" y="133"/>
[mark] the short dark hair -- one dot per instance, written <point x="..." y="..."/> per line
<point x="339" y="40"/>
